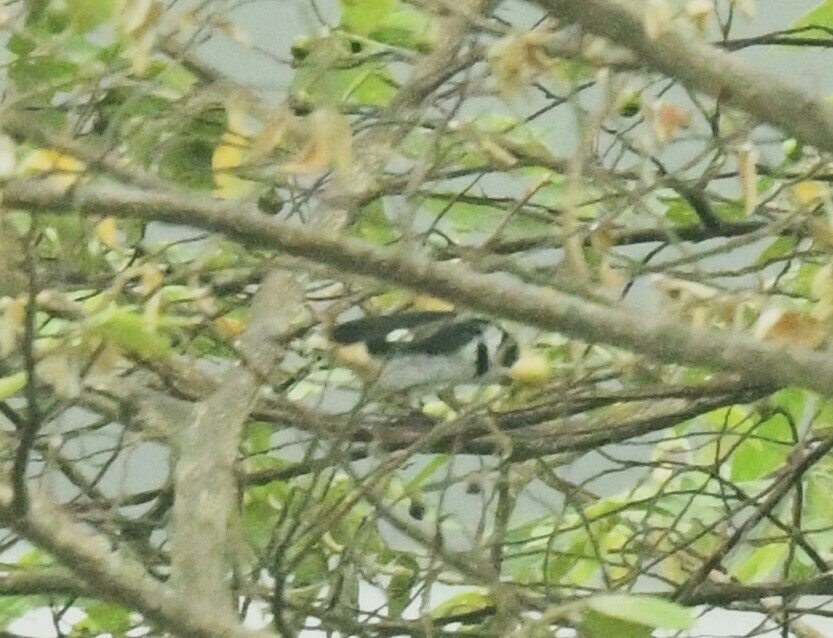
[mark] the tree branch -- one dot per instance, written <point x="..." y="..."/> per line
<point x="205" y="483"/>
<point x="662" y="339"/>
<point x="115" y="575"/>
<point x="702" y="67"/>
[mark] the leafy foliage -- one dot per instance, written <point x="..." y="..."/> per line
<point x="602" y="492"/>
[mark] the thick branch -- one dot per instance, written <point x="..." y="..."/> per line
<point x="115" y="575"/>
<point x="205" y="483"/>
<point x="704" y="68"/>
<point x="501" y="295"/>
<point x="40" y="582"/>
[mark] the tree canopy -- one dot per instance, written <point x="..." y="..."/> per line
<point x="644" y="206"/>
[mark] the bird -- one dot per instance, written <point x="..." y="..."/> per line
<point x="406" y="350"/>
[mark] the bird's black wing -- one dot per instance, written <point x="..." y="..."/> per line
<point x="372" y="327"/>
<point x="431" y="332"/>
<point x="448" y="338"/>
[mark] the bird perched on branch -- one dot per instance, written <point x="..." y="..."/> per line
<point x="429" y="348"/>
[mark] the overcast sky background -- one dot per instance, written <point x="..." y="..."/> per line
<point x="273" y="25"/>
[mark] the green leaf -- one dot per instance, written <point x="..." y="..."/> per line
<point x="821" y="15"/>
<point x="14" y="607"/>
<point x="20" y="44"/>
<point x="764" y="449"/>
<point x="259" y="437"/>
<point x="596" y="625"/>
<point x="36" y="558"/>
<point x="407" y="29"/>
<point x="259" y="515"/>
<point x="733" y="211"/>
<point x="462" y="604"/>
<point x="129" y="332"/>
<point x="331" y="73"/>
<point x="12" y="384"/>
<point x="312" y="569"/>
<point x="373" y="224"/>
<point x="817" y="515"/>
<point x="178" y="78"/>
<point x="437" y="462"/>
<point x="823" y="421"/>
<point x="464" y="217"/>
<point x="188" y="162"/>
<point x="38" y="74"/>
<point x="472" y="221"/>
<point x="644" y="610"/>
<point x="780" y="248"/>
<point x="405" y="577"/>
<point x="363" y="16"/>
<point x="85" y="15"/>
<point x="368" y="84"/>
<point x="105" y="618"/>
<point x="759" y="564"/>
<point x="679" y="211"/>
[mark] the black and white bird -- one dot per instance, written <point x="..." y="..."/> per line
<point x="428" y="348"/>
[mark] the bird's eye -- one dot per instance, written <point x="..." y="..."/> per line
<point x="509" y="353"/>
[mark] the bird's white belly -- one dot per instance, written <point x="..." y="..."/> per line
<point x="417" y="369"/>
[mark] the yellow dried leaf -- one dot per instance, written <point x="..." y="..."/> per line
<point x="238" y="107"/>
<point x="822" y="284"/>
<point x="187" y="20"/>
<point x="498" y="153"/>
<point x="151" y="310"/>
<point x="13" y="316"/>
<point x="8" y="157"/>
<point x="603" y="236"/>
<point x="333" y="128"/>
<point x="657" y="18"/>
<point x="107" y="358"/>
<point x="698" y="12"/>
<point x="139" y="19"/>
<point x="820" y="231"/>
<point x="790" y="328"/>
<point x="682" y="289"/>
<point x="205" y="301"/>
<point x="235" y="33"/>
<point x="809" y="194"/>
<point x="63" y="372"/>
<point x="107" y="232"/>
<point x="356" y="357"/>
<point x="823" y="310"/>
<point x="748" y="172"/>
<point x="531" y="368"/>
<point x="151" y="278"/>
<point x="138" y="15"/>
<point x="330" y="146"/>
<point x="609" y="276"/>
<point x="747" y="6"/>
<point x="229" y="152"/>
<point x="63" y="171"/>
<point x="666" y="120"/>
<point x="312" y="158"/>
<point x="518" y="59"/>
<point x="427" y="302"/>
<point x="273" y="133"/>
<point x="229" y="327"/>
<point x="673" y="117"/>
<point x="11" y="385"/>
<point x="700" y="317"/>
<point x="228" y="156"/>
